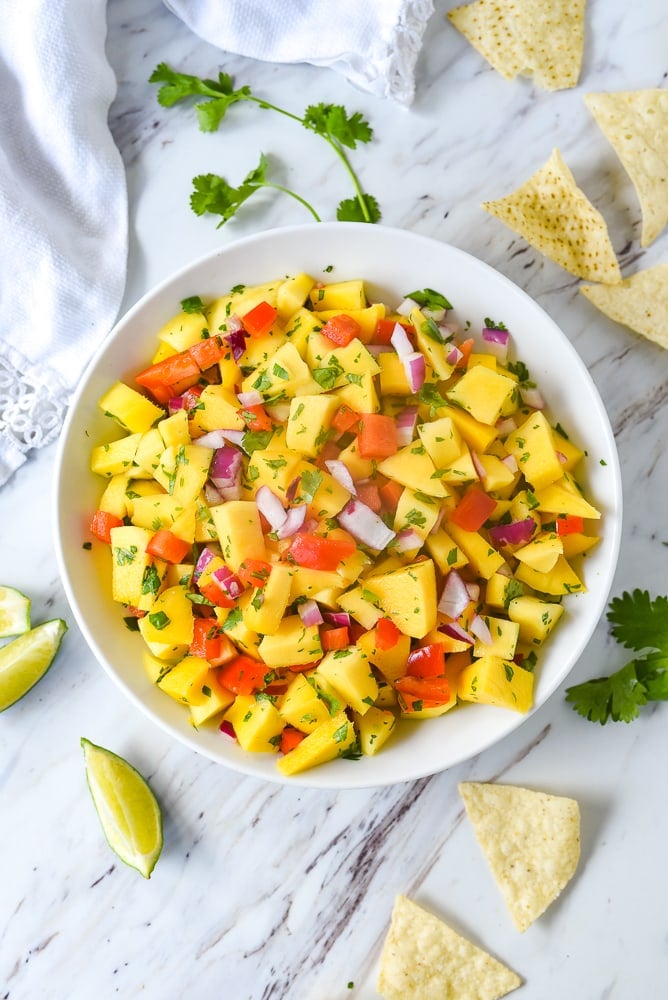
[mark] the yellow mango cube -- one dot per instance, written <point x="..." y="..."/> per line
<point x="349" y="672"/>
<point x="374" y="729"/>
<point x="408" y="597"/>
<point x="292" y="643"/>
<point x="257" y="723"/>
<point x="328" y="741"/>
<point x="301" y="706"/>
<point x="482" y="393"/>
<point x="134" y="412"/>
<point x="492" y="680"/>
<point x="535" y="618"/>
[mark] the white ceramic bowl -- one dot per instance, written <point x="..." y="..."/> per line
<point x="392" y="262"/>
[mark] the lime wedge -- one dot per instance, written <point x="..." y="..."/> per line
<point x="14" y="612"/>
<point x="25" y="660"/>
<point x="127" y="808"/>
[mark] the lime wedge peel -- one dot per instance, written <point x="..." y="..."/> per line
<point x="25" y="660"/>
<point x="14" y="612"/>
<point x="127" y="808"/>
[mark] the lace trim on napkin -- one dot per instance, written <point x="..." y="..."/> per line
<point x="404" y="47"/>
<point x="30" y="416"/>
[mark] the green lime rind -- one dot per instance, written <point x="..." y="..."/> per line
<point x="25" y="660"/>
<point x="14" y="612"/>
<point x="128" y="810"/>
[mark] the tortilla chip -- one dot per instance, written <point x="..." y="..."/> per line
<point x="424" y="959"/>
<point x="635" y="123"/>
<point x="539" y="38"/>
<point x="531" y="841"/>
<point x="639" y="302"/>
<point x="554" y="216"/>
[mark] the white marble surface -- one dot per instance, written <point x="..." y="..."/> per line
<point x="265" y="891"/>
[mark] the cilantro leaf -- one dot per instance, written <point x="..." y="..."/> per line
<point x="192" y="304"/>
<point x="333" y="121"/>
<point x="220" y="93"/>
<point x="638" y="623"/>
<point x="351" y="210"/>
<point x="427" y="298"/>
<point x="212" y="193"/>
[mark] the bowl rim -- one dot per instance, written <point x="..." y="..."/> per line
<point x="324" y="776"/>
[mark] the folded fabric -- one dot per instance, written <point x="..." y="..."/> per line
<point x="63" y="213"/>
<point x="374" y="43"/>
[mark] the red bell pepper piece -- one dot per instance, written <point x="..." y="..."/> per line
<point x="385" y="329"/>
<point x="256" y="418"/>
<point x="435" y="690"/>
<point x="344" y="419"/>
<point x="341" y="329"/>
<point x="377" y="436"/>
<point x="569" y="524"/>
<point x="101" y="524"/>
<point x="210" y="642"/>
<point x="254" y="572"/>
<point x="369" y="494"/>
<point x="316" y="552"/>
<point x="173" y="371"/>
<point x="244" y="675"/>
<point x="390" y="494"/>
<point x="259" y="320"/>
<point x="207" y="352"/>
<point x="474" y="508"/>
<point x="214" y="594"/>
<point x="167" y="546"/>
<point x="334" y="638"/>
<point x="387" y="634"/>
<point x="290" y="738"/>
<point x="426" y="661"/>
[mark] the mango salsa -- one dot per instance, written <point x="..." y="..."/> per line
<point x="329" y="517"/>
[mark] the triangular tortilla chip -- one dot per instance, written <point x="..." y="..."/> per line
<point x="531" y="841"/>
<point x="424" y="959"/>
<point x="539" y="38"/>
<point x="555" y="216"/>
<point x="635" y="123"/>
<point x="639" y="302"/>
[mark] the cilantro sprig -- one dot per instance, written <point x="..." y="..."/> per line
<point x="212" y="193"/>
<point x="339" y="129"/>
<point x="639" y="623"/>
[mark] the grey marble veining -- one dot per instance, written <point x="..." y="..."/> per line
<point x="267" y="892"/>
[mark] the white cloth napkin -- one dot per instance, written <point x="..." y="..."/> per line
<point x="63" y="213"/>
<point x="374" y="43"/>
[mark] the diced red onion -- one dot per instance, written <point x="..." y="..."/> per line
<point x="532" y="397"/>
<point x="454" y="355"/>
<point x="228" y="582"/>
<point x="455" y="597"/>
<point x="236" y="338"/>
<point x="400" y="341"/>
<point x="480" y="629"/>
<point x="562" y="458"/>
<point x="515" y="533"/>
<point x="175" y="404"/>
<point x="291" y="491"/>
<point x="212" y="439"/>
<point x="474" y="590"/>
<point x="340" y="471"/>
<point x="506" y="426"/>
<point x="497" y="342"/>
<point x="364" y="525"/>
<point x="250" y="398"/>
<point x="227" y="729"/>
<point x="205" y="557"/>
<point x="294" y="520"/>
<point x="505" y="570"/>
<point x="212" y="496"/>
<point x="406" y="422"/>
<point x="478" y="466"/>
<point x="310" y="613"/>
<point x="455" y="631"/>
<point x="405" y="307"/>
<point x="510" y="463"/>
<point x="270" y="507"/>
<point x="415" y="368"/>
<point x="225" y="472"/>
<point x="435" y="314"/>
<point x="338" y="618"/>
<point x="407" y="540"/>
